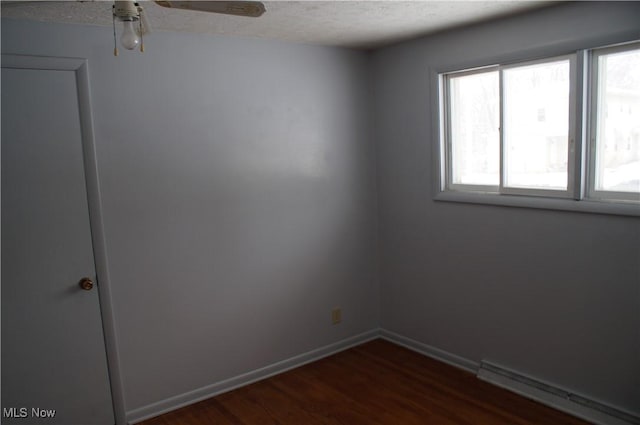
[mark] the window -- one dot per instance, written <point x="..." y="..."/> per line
<point x="536" y="154"/>
<point x="509" y="128"/>
<point x="615" y="136"/>
<point x="517" y="129"/>
<point x="473" y="130"/>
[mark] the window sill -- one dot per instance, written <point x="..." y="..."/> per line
<point x="583" y="206"/>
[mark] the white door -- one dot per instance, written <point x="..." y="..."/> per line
<point x="54" y="366"/>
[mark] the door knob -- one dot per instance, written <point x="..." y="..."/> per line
<point x="86" y="283"/>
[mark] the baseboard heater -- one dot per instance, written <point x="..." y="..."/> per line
<point x="557" y="398"/>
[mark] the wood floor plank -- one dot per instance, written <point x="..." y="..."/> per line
<point x="305" y="388"/>
<point x="432" y="386"/>
<point x="377" y="383"/>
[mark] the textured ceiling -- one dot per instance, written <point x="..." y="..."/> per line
<point x="358" y="24"/>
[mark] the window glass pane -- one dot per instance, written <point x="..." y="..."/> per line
<point x="536" y="125"/>
<point x="474" y="122"/>
<point x="618" y="123"/>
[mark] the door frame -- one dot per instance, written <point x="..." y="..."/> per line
<point x="80" y="67"/>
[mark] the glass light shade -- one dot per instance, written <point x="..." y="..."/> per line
<point x="129" y="38"/>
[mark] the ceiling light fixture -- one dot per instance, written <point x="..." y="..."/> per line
<point x="134" y="25"/>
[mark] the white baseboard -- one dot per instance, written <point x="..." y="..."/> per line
<point x="558" y="398"/>
<point x="429" y="351"/>
<point x="181" y="400"/>
<point x="582" y="407"/>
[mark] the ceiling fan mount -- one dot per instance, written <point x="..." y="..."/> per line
<point x="135" y="24"/>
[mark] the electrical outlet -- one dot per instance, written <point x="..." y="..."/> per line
<point x="336" y="315"/>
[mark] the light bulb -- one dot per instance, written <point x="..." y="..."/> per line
<point x="129" y="38"/>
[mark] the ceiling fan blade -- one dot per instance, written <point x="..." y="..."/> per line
<point x="239" y="8"/>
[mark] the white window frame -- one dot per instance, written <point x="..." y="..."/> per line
<point x="501" y="188"/>
<point x="580" y="196"/>
<point x="446" y="137"/>
<point x="595" y="94"/>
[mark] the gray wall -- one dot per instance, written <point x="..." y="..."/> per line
<point x="552" y="294"/>
<point x="238" y="194"/>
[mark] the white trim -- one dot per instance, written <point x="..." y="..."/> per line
<point x="572" y="133"/>
<point x="50" y="63"/>
<point x="553" y="396"/>
<point x="446" y="139"/>
<point x="580" y="196"/>
<point x="80" y="67"/>
<point x="594" y="97"/>
<point x="503" y="159"/>
<point x="550" y="395"/>
<point x="441" y="170"/>
<point x="430" y="351"/>
<point x="190" y="397"/>
<point x="94" y="198"/>
<point x="446" y="136"/>
<point x="582" y="206"/>
<point x="580" y="148"/>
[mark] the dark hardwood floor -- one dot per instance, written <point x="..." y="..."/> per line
<point x="373" y="384"/>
